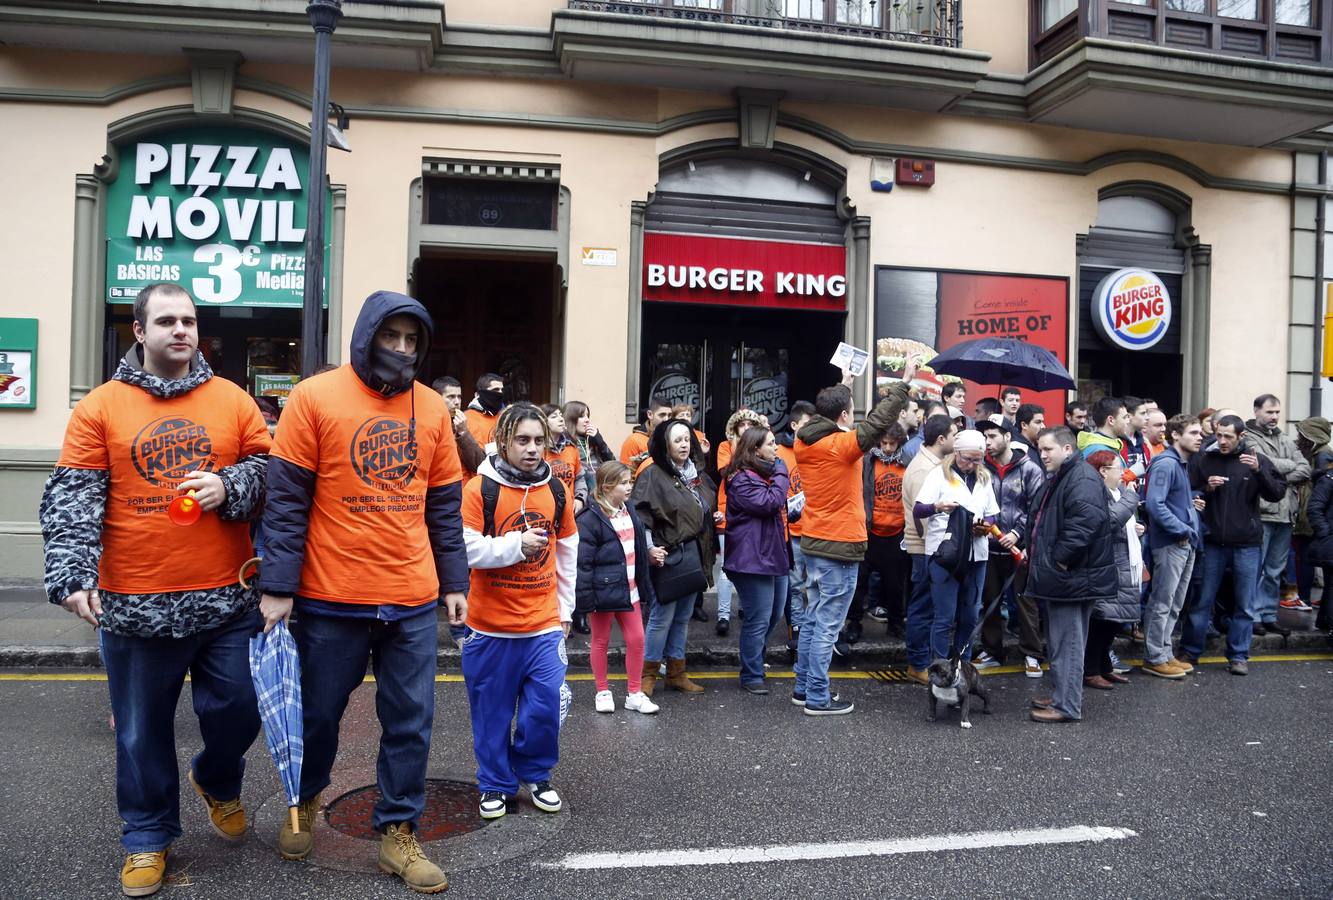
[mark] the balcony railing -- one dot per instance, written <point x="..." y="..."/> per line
<point x="935" y="22"/>
<point x="1290" y="31"/>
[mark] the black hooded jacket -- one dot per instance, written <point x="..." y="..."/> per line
<point x="291" y="488"/>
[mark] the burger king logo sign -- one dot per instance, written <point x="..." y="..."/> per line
<point x="1131" y="309"/>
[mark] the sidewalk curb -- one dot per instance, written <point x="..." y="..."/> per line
<point x="866" y="654"/>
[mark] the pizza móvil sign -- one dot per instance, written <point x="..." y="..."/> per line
<point x="219" y="211"/>
<point x="1131" y="309"/>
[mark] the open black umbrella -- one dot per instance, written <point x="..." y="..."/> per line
<point x="1004" y="361"/>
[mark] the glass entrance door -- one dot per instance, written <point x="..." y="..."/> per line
<point x="759" y="377"/>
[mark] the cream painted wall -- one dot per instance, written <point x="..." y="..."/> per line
<point x="523" y="13"/>
<point x="1000" y="28"/>
<point x="976" y="217"/>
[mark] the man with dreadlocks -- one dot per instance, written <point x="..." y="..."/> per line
<point x="522" y="545"/>
<point x="363" y="530"/>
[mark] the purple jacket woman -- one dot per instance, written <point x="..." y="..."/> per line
<point x="757" y="523"/>
<point x="758" y="554"/>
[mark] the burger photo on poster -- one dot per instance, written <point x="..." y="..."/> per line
<point x="891" y="360"/>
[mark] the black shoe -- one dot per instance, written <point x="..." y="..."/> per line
<point x="700" y="614"/>
<point x="853" y="633"/>
<point x="879" y="614"/>
<point x="841" y="648"/>
<point x="799" y="699"/>
<point x="1275" y="628"/>
<point x="834" y="708"/>
<point x="755" y="687"/>
<point x="581" y="623"/>
<point x="723" y="627"/>
<point x="1260" y="629"/>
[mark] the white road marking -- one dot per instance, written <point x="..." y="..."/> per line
<point x="716" y="856"/>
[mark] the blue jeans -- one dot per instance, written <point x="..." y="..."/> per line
<point x="1272" y="566"/>
<point x="957" y="604"/>
<point x="1244" y="565"/>
<point x="334" y="652"/>
<point x="667" y="625"/>
<point x="144" y="676"/>
<point x="796" y="586"/>
<point x="761" y="599"/>
<point x="723" y="583"/>
<point x="514" y="683"/>
<point x="920" y="614"/>
<point x="829" y="589"/>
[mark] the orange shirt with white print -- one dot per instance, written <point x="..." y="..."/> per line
<point x="147" y="445"/>
<point x="635" y="445"/>
<point x="367" y="540"/>
<point x="887" y="516"/>
<point x="831" y="472"/>
<point x="788" y="457"/>
<point x="567" y="467"/>
<point x="521" y="598"/>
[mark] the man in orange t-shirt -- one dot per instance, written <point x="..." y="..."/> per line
<point x="363" y="529"/>
<point x="166" y="598"/>
<point x="522" y="546"/>
<point x="885" y="576"/>
<point x="833" y="526"/>
<point x="634" y="452"/>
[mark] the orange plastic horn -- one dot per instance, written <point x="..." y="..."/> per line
<point x="997" y="534"/>
<point x="184" y="510"/>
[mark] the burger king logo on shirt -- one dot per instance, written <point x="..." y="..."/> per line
<point x="167" y="449"/>
<point x="382" y="455"/>
<point x="1131" y="309"/>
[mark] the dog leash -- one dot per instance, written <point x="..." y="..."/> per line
<point x="981" y="620"/>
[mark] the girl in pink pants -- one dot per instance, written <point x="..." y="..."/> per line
<point x="613" y="579"/>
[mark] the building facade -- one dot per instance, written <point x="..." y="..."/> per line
<point x="696" y="198"/>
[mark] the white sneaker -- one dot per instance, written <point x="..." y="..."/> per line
<point x="604" y="702"/>
<point x="986" y="661"/>
<point x="639" y="702"/>
<point x="544" y="797"/>
<point x="1032" y="667"/>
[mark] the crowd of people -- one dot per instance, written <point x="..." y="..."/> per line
<point x="381" y="503"/>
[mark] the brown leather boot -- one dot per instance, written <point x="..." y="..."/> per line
<point x="650" y="667"/>
<point x="676" y="678"/>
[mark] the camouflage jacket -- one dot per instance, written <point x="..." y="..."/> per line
<point x="71" y="512"/>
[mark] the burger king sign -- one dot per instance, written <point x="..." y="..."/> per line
<point x="1131" y="309"/>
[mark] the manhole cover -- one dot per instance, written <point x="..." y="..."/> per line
<point x="451" y="810"/>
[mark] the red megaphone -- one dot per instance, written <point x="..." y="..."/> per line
<point x="1013" y="551"/>
<point x="184" y="510"/>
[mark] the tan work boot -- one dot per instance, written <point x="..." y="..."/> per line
<point x="401" y="855"/>
<point x="917" y="675"/>
<point x="1163" y="670"/>
<point x="650" y="667"/>
<point x="226" y="816"/>
<point x="142" y="873"/>
<point x="296" y="845"/>
<point x="1177" y="663"/>
<point x="676" y="679"/>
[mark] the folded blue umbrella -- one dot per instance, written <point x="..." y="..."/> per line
<point x="275" y="669"/>
<point x="1004" y="361"/>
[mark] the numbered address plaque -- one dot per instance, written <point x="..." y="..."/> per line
<point x="219" y="211"/>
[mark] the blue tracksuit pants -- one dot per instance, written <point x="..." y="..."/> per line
<point x="504" y="674"/>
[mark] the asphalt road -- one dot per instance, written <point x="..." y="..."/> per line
<point x="1213" y="787"/>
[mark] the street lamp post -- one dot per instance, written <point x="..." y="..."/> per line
<point x="324" y="16"/>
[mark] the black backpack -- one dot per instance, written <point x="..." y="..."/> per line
<point x="490" y="497"/>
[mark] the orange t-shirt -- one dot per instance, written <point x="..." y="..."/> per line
<point x="835" y="509"/>
<point x="567" y="467"/>
<point x="887" y="515"/>
<point x="517" y="599"/>
<point x="635" y="445"/>
<point x="148" y="444"/>
<point x="482" y="428"/>
<point x="788" y="457"/>
<point x="724" y="454"/>
<point x="367" y="541"/>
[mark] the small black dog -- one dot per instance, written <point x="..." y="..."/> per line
<point x="954" y="681"/>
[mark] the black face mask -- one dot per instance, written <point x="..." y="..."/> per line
<point x="391" y="367"/>
<point x="491" y="401"/>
